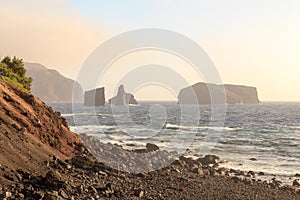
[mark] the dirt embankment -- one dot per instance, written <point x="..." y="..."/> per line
<point x="30" y="134"/>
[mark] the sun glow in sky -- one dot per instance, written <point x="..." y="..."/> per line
<point x="252" y="43"/>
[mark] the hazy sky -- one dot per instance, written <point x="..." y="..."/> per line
<point x="254" y="42"/>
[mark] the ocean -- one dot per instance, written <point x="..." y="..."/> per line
<point x="263" y="138"/>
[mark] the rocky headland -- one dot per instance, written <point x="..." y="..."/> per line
<point x="50" y="86"/>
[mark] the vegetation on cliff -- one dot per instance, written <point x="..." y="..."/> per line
<point x="13" y="71"/>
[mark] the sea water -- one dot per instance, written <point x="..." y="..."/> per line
<point x="268" y="132"/>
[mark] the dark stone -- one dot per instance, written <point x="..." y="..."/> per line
<point x="209" y="159"/>
<point x="81" y="162"/>
<point x="296" y="182"/>
<point x="53" y="180"/>
<point x="151" y="147"/>
<point x="252" y="173"/>
<point x="139" y="193"/>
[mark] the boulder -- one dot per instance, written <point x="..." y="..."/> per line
<point x="209" y="159"/>
<point x="151" y="147"/>
<point x="296" y="182"/>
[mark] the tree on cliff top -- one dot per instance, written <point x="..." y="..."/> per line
<point x="13" y="71"/>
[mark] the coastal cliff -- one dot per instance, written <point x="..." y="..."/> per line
<point x="94" y="97"/>
<point x="50" y="86"/>
<point x="199" y="93"/>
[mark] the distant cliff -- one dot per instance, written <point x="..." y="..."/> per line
<point x="94" y="97"/>
<point x="122" y="98"/>
<point x="199" y="93"/>
<point x="50" y="86"/>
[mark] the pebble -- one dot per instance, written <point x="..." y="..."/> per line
<point x="8" y="194"/>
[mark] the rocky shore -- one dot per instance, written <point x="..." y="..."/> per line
<point x="84" y="177"/>
<point x="40" y="158"/>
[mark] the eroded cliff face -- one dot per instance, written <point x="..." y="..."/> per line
<point x="202" y="93"/>
<point x="50" y="86"/>
<point x="31" y="133"/>
<point x="94" y="97"/>
<point x="122" y="98"/>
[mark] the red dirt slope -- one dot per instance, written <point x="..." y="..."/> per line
<point x="30" y="134"/>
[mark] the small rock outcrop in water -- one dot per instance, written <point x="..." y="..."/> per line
<point x="94" y="97"/>
<point x="123" y="98"/>
<point x="50" y="86"/>
<point x="200" y="93"/>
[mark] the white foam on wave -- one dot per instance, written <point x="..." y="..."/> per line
<point x="175" y="126"/>
<point x="94" y="128"/>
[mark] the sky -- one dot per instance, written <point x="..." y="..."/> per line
<point x="252" y="43"/>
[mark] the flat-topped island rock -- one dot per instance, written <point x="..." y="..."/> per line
<point x="202" y="93"/>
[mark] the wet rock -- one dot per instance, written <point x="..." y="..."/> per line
<point x="209" y="159"/>
<point x="261" y="173"/>
<point x="138" y="193"/>
<point x="297" y="175"/>
<point x="296" y="182"/>
<point x="151" y="147"/>
<point x="253" y="159"/>
<point x="222" y="170"/>
<point x="187" y="160"/>
<point x="178" y="163"/>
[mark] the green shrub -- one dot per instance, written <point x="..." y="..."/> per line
<point x="13" y="71"/>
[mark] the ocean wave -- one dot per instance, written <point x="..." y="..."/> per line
<point x="175" y="127"/>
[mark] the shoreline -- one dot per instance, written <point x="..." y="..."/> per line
<point x="84" y="177"/>
<point x="264" y="175"/>
<point x="217" y="163"/>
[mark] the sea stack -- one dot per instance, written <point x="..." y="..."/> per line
<point x="123" y="98"/>
<point x="200" y="93"/>
<point x="94" y="97"/>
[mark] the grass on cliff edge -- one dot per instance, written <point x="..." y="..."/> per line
<point x="12" y="70"/>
